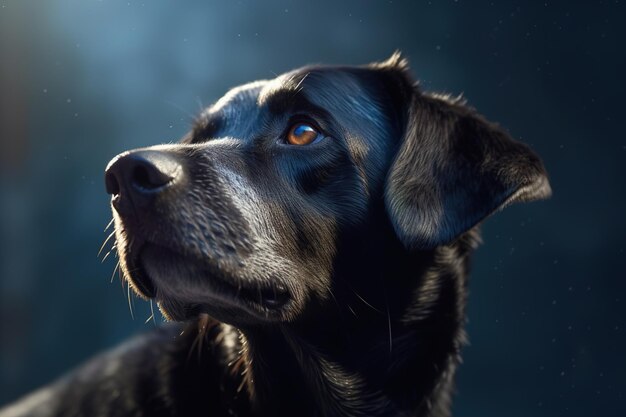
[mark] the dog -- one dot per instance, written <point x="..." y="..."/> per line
<point x="312" y="236"/>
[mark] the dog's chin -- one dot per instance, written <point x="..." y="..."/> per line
<point x="185" y="287"/>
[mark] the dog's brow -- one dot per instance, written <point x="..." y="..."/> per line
<point x="284" y="100"/>
<point x="279" y="100"/>
<point x="297" y="88"/>
<point x="282" y="90"/>
<point x="206" y="125"/>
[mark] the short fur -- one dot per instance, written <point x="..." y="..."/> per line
<point x="334" y="273"/>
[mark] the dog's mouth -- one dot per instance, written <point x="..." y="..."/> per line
<point x="185" y="287"/>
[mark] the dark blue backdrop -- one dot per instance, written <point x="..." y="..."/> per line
<point x="83" y="80"/>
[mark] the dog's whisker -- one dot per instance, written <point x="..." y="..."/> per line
<point x="296" y="88"/>
<point x="366" y="303"/>
<point x="203" y="325"/>
<point x="121" y="275"/>
<point x="181" y="109"/>
<point x="105" y="242"/>
<point x="130" y="306"/>
<point x="351" y="310"/>
<point x="203" y="322"/>
<point x="117" y="266"/>
<point x="108" y="225"/>
<point x="104" y="258"/>
<point x="152" y="312"/>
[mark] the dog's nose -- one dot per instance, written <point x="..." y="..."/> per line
<point x="139" y="175"/>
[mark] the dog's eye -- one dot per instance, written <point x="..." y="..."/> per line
<point x="303" y="134"/>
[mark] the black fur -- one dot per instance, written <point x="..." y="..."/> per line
<point x="335" y="273"/>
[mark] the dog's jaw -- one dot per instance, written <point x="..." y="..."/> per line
<point x="369" y="359"/>
<point x="223" y="293"/>
<point x="185" y="287"/>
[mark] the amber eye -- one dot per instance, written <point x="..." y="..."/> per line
<point x="303" y="134"/>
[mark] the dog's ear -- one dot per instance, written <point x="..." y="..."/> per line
<point x="452" y="169"/>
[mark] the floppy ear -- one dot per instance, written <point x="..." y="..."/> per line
<point x="453" y="168"/>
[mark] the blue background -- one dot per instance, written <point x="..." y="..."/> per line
<point x="83" y="80"/>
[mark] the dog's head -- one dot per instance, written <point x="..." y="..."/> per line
<point x="252" y="216"/>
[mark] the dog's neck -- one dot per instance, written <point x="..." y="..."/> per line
<point x="368" y="357"/>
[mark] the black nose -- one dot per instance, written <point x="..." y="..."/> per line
<point x="138" y="176"/>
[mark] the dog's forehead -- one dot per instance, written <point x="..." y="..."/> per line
<point x="326" y="87"/>
<point x="331" y="88"/>
<point x="240" y="96"/>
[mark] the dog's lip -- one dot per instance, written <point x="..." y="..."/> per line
<point x="259" y="299"/>
<point x="139" y="278"/>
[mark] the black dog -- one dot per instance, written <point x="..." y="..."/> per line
<point x="324" y="221"/>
